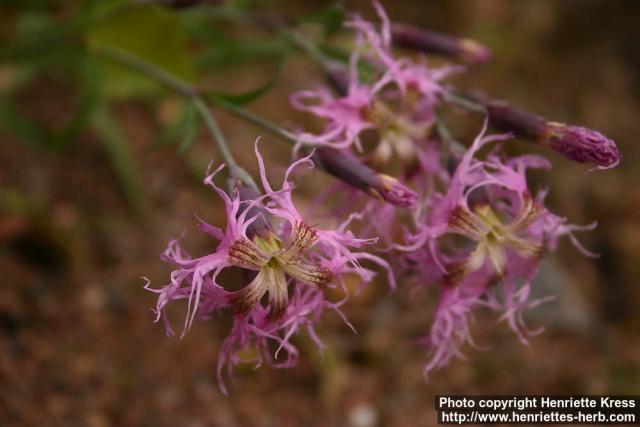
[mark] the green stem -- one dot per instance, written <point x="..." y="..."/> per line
<point x="447" y="138"/>
<point x="235" y="170"/>
<point x="193" y="93"/>
<point x="305" y="46"/>
<point x="466" y="103"/>
<point x="143" y="67"/>
<point x="253" y="119"/>
<point x="188" y="91"/>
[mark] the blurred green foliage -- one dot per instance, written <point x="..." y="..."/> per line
<point x="61" y="38"/>
<point x="50" y="46"/>
<point x="150" y="33"/>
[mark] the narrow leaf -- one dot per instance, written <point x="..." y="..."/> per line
<point x="124" y="164"/>
<point x="189" y="127"/>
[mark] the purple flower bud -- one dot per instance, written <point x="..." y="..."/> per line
<point x="396" y="193"/>
<point x="582" y="145"/>
<point x="577" y="143"/>
<point x="466" y="50"/>
<point x="353" y="172"/>
<point x="473" y="52"/>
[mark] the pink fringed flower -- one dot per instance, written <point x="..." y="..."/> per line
<point x="346" y="117"/>
<point x="288" y="262"/>
<point x="422" y="81"/>
<point x="398" y="102"/>
<point x="505" y="231"/>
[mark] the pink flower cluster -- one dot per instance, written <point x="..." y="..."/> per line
<point x="505" y="228"/>
<point x="470" y="227"/>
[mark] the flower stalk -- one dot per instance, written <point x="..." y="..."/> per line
<point x="350" y="170"/>
<point x="189" y="92"/>
<point x="577" y="143"/>
<point x="335" y="72"/>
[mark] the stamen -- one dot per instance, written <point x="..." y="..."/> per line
<point x="245" y="254"/>
<point x="310" y="274"/>
<point x="278" y="294"/>
<point x="464" y="222"/>
<point x="246" y="298"/>
<point x="270" y="279"/>
<point x="302" y="238"/>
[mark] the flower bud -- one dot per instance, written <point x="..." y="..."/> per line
<point x="465" y="50"/>
<point x="395" y="193"/>
<point x="353" y="172"/>
<point x="576" y="143"/>
<point x="582" y="145"/>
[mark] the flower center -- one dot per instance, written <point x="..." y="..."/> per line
<point x="397" y="131"/>
<point x="494" y="237"/>
<point x="274" y="262"/>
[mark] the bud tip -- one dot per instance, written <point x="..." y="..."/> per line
<point x="582" y="145"/>
<point x="396" y="193"/>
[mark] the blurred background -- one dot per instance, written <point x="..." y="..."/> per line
<point x="99" y="168"/>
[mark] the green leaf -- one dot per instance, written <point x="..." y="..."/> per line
<point x="190" y="124"/>
<point x="147" y="32"/>
<point x="109" y="132"/>
<point x="228" y="52"/>
<point x="249" y="96"/>
<point x="89" y="88"/>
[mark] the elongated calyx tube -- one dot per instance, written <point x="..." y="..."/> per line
<point x="353" y="172"/>
<point x="577" y="143"/>
<point x="427" y="41"/>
